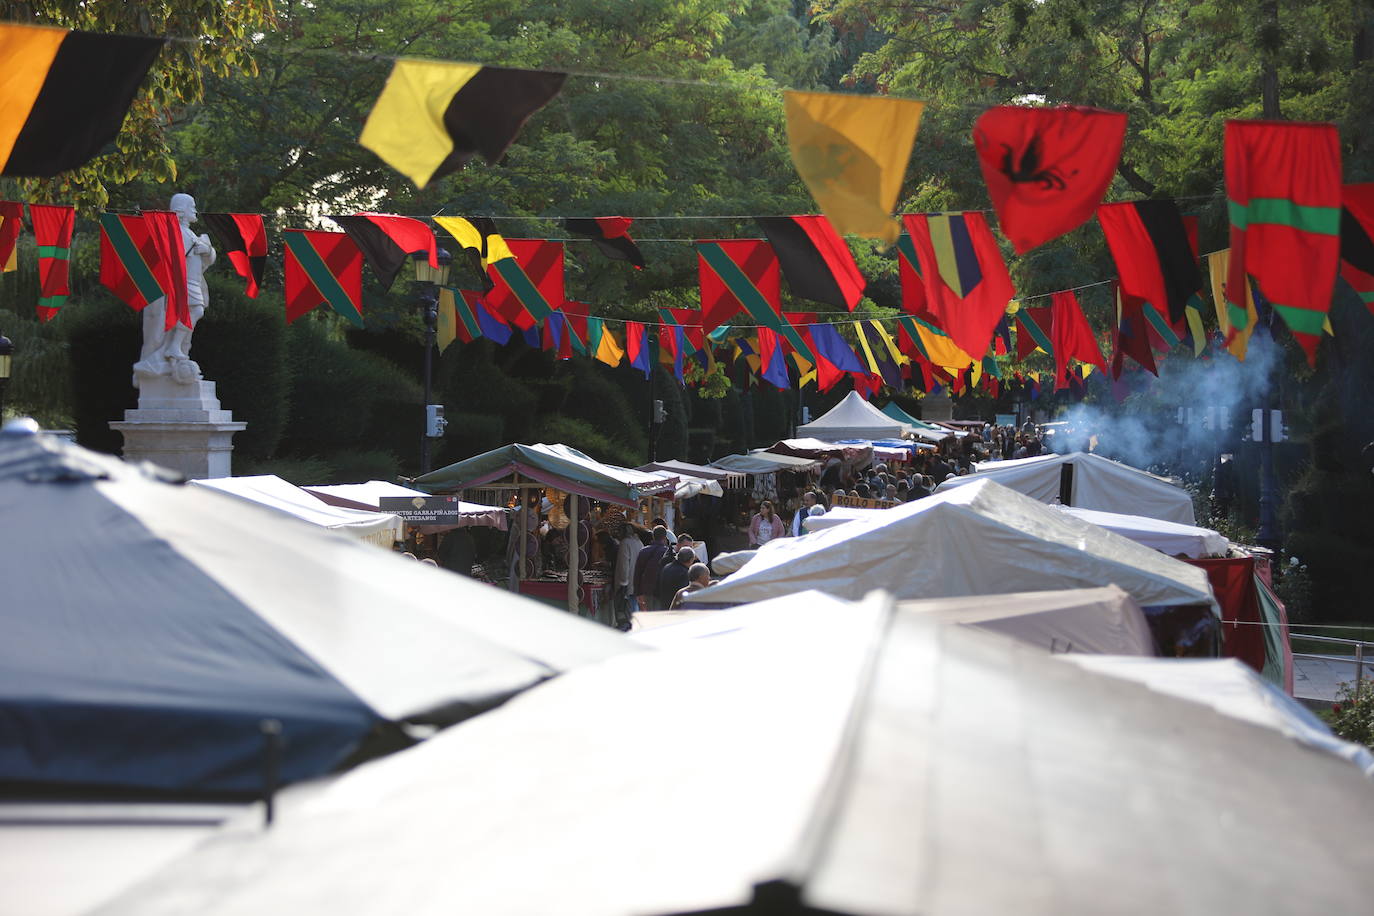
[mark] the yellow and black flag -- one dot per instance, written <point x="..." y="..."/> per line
<point x="433" y="116"/>
<point x="64" y="94"/>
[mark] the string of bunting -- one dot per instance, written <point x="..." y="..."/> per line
<point x="1047" y="171"/>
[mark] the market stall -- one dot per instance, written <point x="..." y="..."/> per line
<point x="285" y="498"/>
<point x="368" y="496"/>
<point x="569" y="480"/>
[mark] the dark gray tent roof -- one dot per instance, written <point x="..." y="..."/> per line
<point x="150" y="627"/>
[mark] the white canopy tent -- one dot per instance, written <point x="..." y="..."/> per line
<point x="1166" y="537"/>
<point x="1093" y="620"/>
<point x="1233" y="688"/>
<point x="1094" y="483"/>
<point x="728" y="479"/>
<point x="869" y="763"/>
<point x="853" y="418"/>
<point x="288" y="499"/>
<point x="764" y="462"/>
<point x="367" y="496"/>
<point x="981" y="539"/>
<point x="1172" y="538"/>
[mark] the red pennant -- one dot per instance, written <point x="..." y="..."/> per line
<point x="1073" y="338"/>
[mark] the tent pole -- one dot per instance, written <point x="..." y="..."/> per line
<point x="520" y="495"/>
<point x="574" y="552"/>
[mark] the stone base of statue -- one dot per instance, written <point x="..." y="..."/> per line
<point x="937" y="407"/>
<point x="181" y="427"/>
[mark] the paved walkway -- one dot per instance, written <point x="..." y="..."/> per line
<point x="1319" y="679"/>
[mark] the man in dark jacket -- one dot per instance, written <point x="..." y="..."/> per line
<point x="646" y="569"/>
<point x="673" y="576"/>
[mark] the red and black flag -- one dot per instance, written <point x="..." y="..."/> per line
<point x="244" y="239"/>
<point x="433" y="116"/>
<point x="1154" y="258"/>
<point x="1357" y="240"/>
<point x="11" y="222"/>
<point x="611" y="235"/>
<point x="323" y="267"/>
<point x="52" y="230"/>
<point x="65" y="95"/>
<point x="1046" y="168"/>
<point x="387" y="242"/>
<point x="815" y="260"/>
<point x="965" y="280"/>
<point x="1283" y="187"/>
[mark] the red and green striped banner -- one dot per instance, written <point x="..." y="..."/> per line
<point x="127" y="260"/>
<point x="1283" y="188"/>
<point x="323" y="267"/>
<point x="739" y="285"/>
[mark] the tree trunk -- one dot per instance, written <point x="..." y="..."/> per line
<point x="1269" y="79"/>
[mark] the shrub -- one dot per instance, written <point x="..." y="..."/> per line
<point x="344" y="399"/>
<point x="103" y="341"/>
<point x="469" y="434"/>
<point x="583" y="436"/>
<point x="1353" y="719"/>
<point x="240" y="344"/>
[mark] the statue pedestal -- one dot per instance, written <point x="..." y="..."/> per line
<point x="179" y="427"/>
<point x="937" y="407"/>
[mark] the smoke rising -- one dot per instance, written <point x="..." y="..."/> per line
<point x="1216" y="396"/>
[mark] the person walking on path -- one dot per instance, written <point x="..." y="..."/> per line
<point x="647" y="566"/>
<point x="673" y="577"/>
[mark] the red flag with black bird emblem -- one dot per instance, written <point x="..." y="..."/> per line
<point x="1046" y="168"/>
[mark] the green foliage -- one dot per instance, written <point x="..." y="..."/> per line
<point x="344" y="400"/>
<point x="103" y="340"/>
<point x="143" y="148"/>
<point x="300" y="471"/>
<point x="583" y="436"/>
<point x="1352" y="717"/>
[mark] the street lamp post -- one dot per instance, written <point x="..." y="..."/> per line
<point x="6" y="363"/>
<point x="429" y="280"/>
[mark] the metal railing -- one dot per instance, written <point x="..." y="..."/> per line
<point x="1358" y="661"/>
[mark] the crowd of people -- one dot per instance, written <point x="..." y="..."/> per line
<point x="653" y="568"/>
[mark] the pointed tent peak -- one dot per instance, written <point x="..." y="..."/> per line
<point x="854" y="418"/>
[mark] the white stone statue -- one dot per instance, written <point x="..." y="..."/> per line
<point x="168" y="353"/>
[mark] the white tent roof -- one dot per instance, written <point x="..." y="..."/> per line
<point x="853" y="418"/>
<point x="1094" y="620"/>
<point x="368" y="496"/>
<point x="981" y="539"/>
<point x="279" y="496"/>
<point x="1098" y="483"/>
<point x="874" y="764"/>
<point x="1166" y="537"/>
<point x="1233" y="688"/>
<point x="763" y="462"/>
<point x="1098" y="621"/>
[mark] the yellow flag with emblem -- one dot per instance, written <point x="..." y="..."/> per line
<point x="852" y="153"/>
